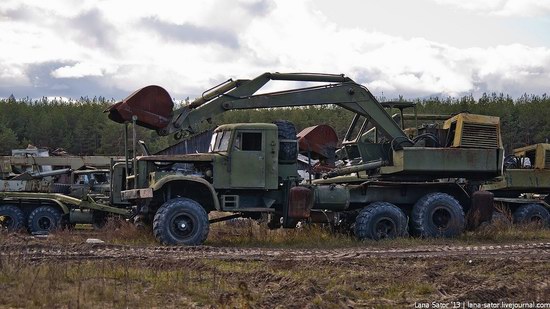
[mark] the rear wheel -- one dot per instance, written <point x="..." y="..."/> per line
<point x="181" y="221"/>
<point x="532" y="213"/>
<point x="437" y="215"/>
<point x="380" y="220"/>
<point x="11" y="218"/>
<point x="44" y="219"/>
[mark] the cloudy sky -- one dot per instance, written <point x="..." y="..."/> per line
<point x="395" y="47"/>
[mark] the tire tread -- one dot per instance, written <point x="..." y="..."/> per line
<point x="161" y="219"/>
<point x="363" y="220"/>
<point x="18" y="215"/>
<point x="419" y="214"/>
<point x="55" y="213"/>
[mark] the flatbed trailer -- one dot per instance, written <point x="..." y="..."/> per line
<point x="76" y="190"/>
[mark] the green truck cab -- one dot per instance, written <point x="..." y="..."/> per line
<point x="242" y="172"/>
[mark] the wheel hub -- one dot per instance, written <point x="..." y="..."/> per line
<point x="6" y="221"/>
<point x="44" y="223"/>
<point x="385" y="228"/>
<point x="537" y="219"/>
<point x="441" y="218"/>
<point x="182" y="225"/>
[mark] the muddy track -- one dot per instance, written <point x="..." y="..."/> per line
<point x="38" y="251"/>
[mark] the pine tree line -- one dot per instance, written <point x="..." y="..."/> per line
<point x="82" y="128"/>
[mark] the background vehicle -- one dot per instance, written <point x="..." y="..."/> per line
<point x="524" y="188"/>
<point x="72" y="190"/>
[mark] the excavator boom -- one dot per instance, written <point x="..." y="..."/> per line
<point x="152" y="106"/>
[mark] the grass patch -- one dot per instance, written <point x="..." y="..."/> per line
<point x="248" y="233"/>
<point x="216" y="283"/>
<point x="502" y="231"/>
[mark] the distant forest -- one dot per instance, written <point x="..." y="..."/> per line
<point x="81" y="128"/>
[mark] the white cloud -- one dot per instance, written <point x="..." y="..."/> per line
<point x="13" y="74"/>
<point x="78" y="70"/>
<point x="192" y="46"/>
<point x="503" y="7"/>
<point x="525" y="8"/>
<point x="483" y="5"/>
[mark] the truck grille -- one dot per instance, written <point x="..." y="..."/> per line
<point x="547" y="159"/>
<point x="476" y="135"/>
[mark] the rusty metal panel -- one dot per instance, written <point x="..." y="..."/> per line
<point x="321" y="141"/>
<point x="137" y="194"/>
<point x="481" y="210"/>
<point x="538" y="154"/>
<point x="75" y="162"/>
<point x="152" y="105"/>
<point x="32" y="185"/>
<point x="300" y="203"/>
<point x="474" y="131"/>
<point x="522" y="180"/>
<point x="446" y="162"/>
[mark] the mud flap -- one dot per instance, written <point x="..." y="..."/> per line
<point x="301" y="202"/>
<point x="481" y="210"/>
<point x="297" y="204"/>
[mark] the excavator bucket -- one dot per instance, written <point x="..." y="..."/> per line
<point x="320" y="141"/>
<point x="152" y="105"/>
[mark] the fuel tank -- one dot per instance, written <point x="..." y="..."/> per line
<point x="331" y="197"/>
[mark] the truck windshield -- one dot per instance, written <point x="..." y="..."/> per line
<point x="220" y="141"/>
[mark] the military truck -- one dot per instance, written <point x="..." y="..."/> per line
<point x="391" y="185"/>
<point x="523" y="190"/>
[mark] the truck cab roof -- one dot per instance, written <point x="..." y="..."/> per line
<point x="246" y="126"/>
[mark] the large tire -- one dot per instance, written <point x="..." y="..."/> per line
<point x="288" y="151"/>
<point x="11" y="218"/>
<point x="437" y="215"/>
<point x="380" y="220"/>
<point x="44" y="219"/>
<point x="181" y="221"/>
<point x="532" y="213"/>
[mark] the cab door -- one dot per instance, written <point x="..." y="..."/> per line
<point x="248" y="160"/>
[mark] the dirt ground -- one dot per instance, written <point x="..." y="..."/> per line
<point x="73" y="274"/>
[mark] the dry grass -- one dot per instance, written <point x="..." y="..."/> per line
<point x="371" y="282"/>
<point x="248" y="233"/>
<point x="501" y="230"/>
<point x="115" y="231"/>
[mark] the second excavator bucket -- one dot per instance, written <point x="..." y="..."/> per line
<point x="320" y="141"/>
<point x="152" y="105"/>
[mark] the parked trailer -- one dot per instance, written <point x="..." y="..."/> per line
<point x="41" y="201"/>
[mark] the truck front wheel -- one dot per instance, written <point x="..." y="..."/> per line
<point x="437" y="215"/>
<point x="181" y="221"/>
<point x="380" y="220"/>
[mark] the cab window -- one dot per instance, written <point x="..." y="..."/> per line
<point x="249" y="141"/>
<point x="220" y="141"/>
